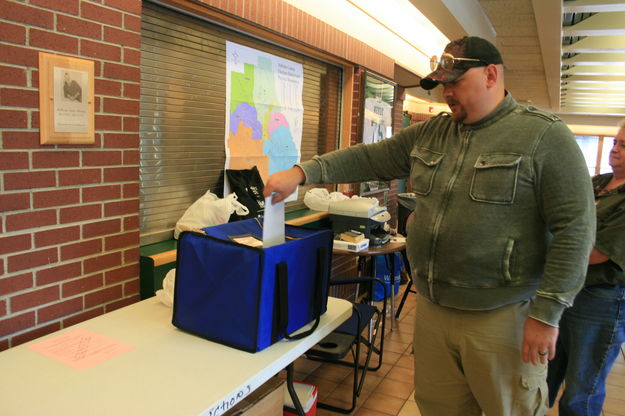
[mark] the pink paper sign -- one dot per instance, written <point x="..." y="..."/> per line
<point x="81" y="348"/>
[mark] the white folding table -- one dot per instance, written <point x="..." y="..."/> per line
<point x="168" y="372"/>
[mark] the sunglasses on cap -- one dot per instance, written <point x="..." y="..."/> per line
<point x="448" y="61"/>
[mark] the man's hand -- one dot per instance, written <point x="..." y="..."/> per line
<point x="283" y="183"/>
<point x="539" y="341"/>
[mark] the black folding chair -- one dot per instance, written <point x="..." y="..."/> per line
<point x="348" y="338"/>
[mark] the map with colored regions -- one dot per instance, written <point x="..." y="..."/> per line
<point x="265" y="110"/>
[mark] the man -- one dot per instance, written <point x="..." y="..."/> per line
<point x="593" y="330"/>
<point x="71" y="89"/>
<point x="504" y="218"/>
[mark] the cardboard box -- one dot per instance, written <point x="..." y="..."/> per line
<point x="267" y="400"/>
<point x="307" y="394"/>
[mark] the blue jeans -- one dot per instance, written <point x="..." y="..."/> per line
<point x="591" y="334"/>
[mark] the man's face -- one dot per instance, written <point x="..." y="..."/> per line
<point x="617" y="154"/>
<point x="464" y="96"/>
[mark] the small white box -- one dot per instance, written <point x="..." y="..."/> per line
<point x="346" y="245"/>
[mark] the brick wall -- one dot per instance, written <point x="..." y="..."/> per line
<point x="69" y="225"/>
<point x="69" y="213"/>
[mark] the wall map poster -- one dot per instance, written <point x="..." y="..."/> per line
<point x="265" y="111"/>
<point x="378" y="107"/>
<point x="377" y="123"/>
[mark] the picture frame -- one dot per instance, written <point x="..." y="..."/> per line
<point x="66" y="100"/>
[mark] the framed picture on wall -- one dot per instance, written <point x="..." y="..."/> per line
<point x="66" y="100"/>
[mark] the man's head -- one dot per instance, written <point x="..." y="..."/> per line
<point x="471" y="73"/>
<point x="617" y="154"/>
<point x="459" y="56"/>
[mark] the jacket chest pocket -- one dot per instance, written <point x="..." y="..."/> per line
<point x="425" y="163"/>
<point x="495" y="178"/>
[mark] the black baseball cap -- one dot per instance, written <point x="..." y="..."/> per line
<point x="477" y="51"/>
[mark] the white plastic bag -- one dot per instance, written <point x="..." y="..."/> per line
<point x="166" y="294"/>
<point x="319" y="198"/>
<point x="209" y="210"/>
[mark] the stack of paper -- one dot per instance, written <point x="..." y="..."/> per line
<point x="352" y="236"/>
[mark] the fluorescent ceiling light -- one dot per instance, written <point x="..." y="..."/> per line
<point x="394" y="27"/>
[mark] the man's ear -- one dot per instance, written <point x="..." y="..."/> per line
<point x="492" y="75"/>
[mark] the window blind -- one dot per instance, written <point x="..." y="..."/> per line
<point x="182" y="112"/>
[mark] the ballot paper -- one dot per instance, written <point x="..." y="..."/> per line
<point x="273" y="223"/>
<point x="81" y="348"/>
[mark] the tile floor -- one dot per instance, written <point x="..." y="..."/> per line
<point x="388" y="391"/>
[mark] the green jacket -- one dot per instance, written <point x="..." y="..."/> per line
<point x="610" y="234"/>
<point x="504" y="209"/>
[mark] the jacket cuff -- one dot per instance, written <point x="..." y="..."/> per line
<point x="546" y="311"/>
<point x="312" y="171"/>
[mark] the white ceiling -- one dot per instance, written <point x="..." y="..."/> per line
<point x="576" y="70"/>
<point x="564" y="56"/>
<point x="593" y="71"/>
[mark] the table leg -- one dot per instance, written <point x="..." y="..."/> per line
<point x="291" y="389"/>
<point x="361" y="270"/>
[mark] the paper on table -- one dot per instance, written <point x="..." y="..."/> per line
<point x="273" y="223"/>
<point x="80" y="348"/>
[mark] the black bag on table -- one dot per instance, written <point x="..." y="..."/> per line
<point x="248" y="186"/>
